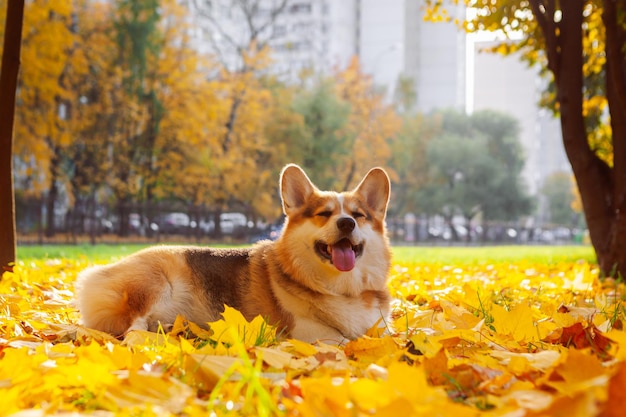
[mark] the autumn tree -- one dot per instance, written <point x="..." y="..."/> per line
<point x="409" y="159"/>
<point x="231" y="43"/>
<point x="474" y="167"/>
<point x="557" y="191"/>
<point x="190" y="122"/>
<point x="43" y="113"/>
<point x="405" y="95"/>
<point x="148" y="104"/>
<point x="285" y="131"/>
<point x="138" y="46"/>
<point x="243" y="51"/>
<point x="341" y="127"/>
<point x="324" y="146"/>
<point x="118" y="106"/>
<point x="12" y="15"/>
<point x="88" y="164"/>
<point x="510" y="199"/>
<point x="372" y="123"/>
<point x="462" y="177"/>
<point x="579" y="44"/>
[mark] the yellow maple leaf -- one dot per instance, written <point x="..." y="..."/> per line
<point x="302" y="348"/>
<point x="580" y="372"/>
<point x="276" y="358"/>
<point x="208" y="369"/>
<point x="428" y="346"/>
<point x="146" y="338"/>
<point x="371" y="395"/>
<point x="325" y="396"/>
<point x="518" y="322"/>
<point x="368" y="350"/>
<point x="523" y="362"/>
<point x="619" y="337"/>
<point x="460" y="316"/>
<point x="189" y="329"/>
<point x="234" y="328"/>
<point x="138" y="388"/>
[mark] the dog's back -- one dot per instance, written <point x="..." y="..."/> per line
<point x="156" y="284"/>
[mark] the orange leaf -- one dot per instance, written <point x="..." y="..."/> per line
<point x="370" y="350"/>
<point x="614" y="407"/>
<point x="437" y="367"/>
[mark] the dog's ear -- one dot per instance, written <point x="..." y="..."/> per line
<point x="375" y="188"/>
<point x="295" y="188"/>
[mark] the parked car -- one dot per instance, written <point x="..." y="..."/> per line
<point x="97" y="226"/>
<point x="272" y="232"/>
<point x="206" y="226"/>
<point x="174" y="223"/>
<point x="230" y="223"/>
<point x="135" y="223"/>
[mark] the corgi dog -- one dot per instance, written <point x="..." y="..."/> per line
<point x="324" y="278"/>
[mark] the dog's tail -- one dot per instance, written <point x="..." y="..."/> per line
<point x="105" y="303"/>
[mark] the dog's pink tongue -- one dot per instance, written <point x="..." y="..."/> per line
<point x="343" y="256"/>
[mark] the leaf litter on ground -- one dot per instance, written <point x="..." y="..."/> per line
<point x="504" y="339"/>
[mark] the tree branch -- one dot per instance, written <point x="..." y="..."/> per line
<point x="275" y="12"/>
<point x="544" y="13"/>
<point x="249" y="9"/>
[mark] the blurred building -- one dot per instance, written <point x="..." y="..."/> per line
<point x="389" y="37"/>
<point x="506" y="84"/>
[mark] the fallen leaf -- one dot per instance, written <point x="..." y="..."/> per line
<point x="207" y="369"/>
<point x="477" y="340"/>
<point x="368" y="350"/>
<point x="233" y="328"/>
<point x="518" y="322"/>
<point x="436" y="368"/>
<point x="614" y="407"/>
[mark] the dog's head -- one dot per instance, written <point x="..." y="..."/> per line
<point x="336" y="229"/>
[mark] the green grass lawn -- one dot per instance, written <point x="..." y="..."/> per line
<point x="403" y="254"/>
<point x="93" y="252"/>
<point x="481" y="255"/>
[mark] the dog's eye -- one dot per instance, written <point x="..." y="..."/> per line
<point x="357" y="215"/>
<point x="326" y="213"/>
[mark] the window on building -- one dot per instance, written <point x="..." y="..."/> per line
<point x="301" y="8"/>
<point x="279" y="30"/>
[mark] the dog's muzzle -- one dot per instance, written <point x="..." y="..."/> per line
<point x="342" y="254"/>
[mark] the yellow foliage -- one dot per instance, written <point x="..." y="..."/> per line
<point x="41" y="126"/>
<point x="183" y="128"/>
<point x="234" y="328"/>
<point x="522" y="34"/>
<point x="372" y="123"/>
<point x="473" y="340"/>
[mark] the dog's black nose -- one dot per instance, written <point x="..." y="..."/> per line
<point x="346" y="224"/>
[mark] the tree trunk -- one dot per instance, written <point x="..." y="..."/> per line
<point x="612" y="256"/>
<point x="53" y="194"/>
<point x="8" y="86"/>
<point x="217" y="228"/>
<point x="123" y="215"/>
<point x="350" y="176"/>
<point x="602" y="188"/>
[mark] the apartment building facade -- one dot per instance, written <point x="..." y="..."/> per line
<point x="390" y="39"/>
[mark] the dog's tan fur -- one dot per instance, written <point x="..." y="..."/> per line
<point x="291" y="282"/>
